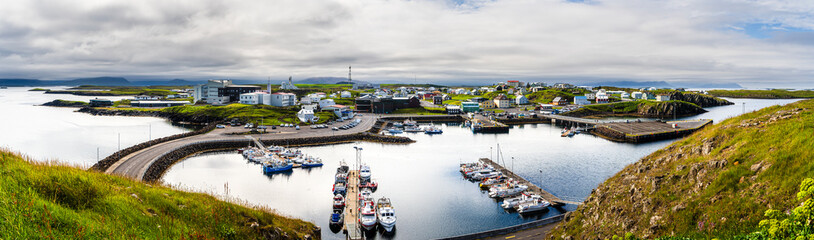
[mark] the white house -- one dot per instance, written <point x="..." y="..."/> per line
<point x="341" y="111"/>
<point x="145" y="97"/>
<point x="281" y="99"/>
<point x="501" y="101"/>
<point x="521" y="100"/>
<point x="209" y="92"/>
<point x="625" y="95"/>
<point x="581" y="100"/>
<point x="306" y="115"/>
<point x="602" y="97"/>
<point x="662" y="97"/>
<point x="255" y="98"/>
<point x="636" y="95"/>
<point x="345" y="94"/>
<point x="326" y="102"/>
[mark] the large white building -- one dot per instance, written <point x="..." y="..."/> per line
<point x="209" y="92"/>
<point x="281" y="99"/>
<point x="326" y="102"/>
<point x="255" y="98"/>
<point x="288" y="85"/>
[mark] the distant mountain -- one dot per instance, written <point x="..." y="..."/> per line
<point x="99" y="81"/>
<point x="174" y="82"/>
<point x="327" y="80"/>
<point x="18" y="82"/>
<point x="635" y="84"/>
<point x="709" y="85"/>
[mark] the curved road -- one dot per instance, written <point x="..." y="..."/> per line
<point x="136" y="164"/>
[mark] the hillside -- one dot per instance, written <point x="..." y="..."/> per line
<point x="639" y="108"/>
<point x="45" y="201"/>
<point x="716" y="183"/>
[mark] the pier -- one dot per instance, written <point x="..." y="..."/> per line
<point x="351" y="207"/>
<point x="649" y="131"/>
<point x="554" y="200"/>
<point x="481" y="124"/>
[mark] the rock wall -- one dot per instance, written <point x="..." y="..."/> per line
<point x="699" y="99"/>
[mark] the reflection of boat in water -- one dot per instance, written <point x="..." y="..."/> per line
<point x="386" y="214"/>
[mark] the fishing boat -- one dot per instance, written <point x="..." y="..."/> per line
<point x="339" y="188"/>
<point x="533" y="206"/>
<point x="398" y="124"/>
<point x="510" y="203"/>
<point x="486" y="183"/>
<point x="410" y="123"/>
<point x="337" y="218"/>
<point x="364" y="173"/>
<point x="484" y="175"/>
<point x="276" y="149"/>
<point x="312" y="162"/>
<point x="508" y="191"/>
<point x="339" y="201"/>
<point x="343" y="168"/>
<point x="276" y="166"/>
<point x="364" y="194"/>
<point x="433" y="130"/>
<point x="369" y="184"/>
<point x="413" y="129"/>
<point x="386" y="214"/>
<point x="394" y="131"/>
<point x="367" y="215"/>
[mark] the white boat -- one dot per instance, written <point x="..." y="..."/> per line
<point x="413" y="129"/>
<point x="364" y="195"/>
<point x="480" y="175"/>
<point x="339" y="201"/>
<point x="510" y="203"/>
<point x="367" y="215"/>
<point x="386" y="214"/>
<point x="394" y="130"/>
<point x="533" y="206"/>
<point x="508" y="192"/>
<point x="471" y="174"/>
<point x="364" y="173"/>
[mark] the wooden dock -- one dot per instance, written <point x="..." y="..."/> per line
<point x="352" y="207"/>
<point x="554" y="200"/>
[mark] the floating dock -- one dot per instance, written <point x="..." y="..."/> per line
<point x="352" y="207"/>
<point x="554" y="200"/>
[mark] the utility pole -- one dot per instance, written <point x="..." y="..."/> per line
<point x="512" y="164"/>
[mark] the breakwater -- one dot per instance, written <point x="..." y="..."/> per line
<point x="165" y="161"/>
<point x="108" y="161"/>
<point x="426" y="118"/>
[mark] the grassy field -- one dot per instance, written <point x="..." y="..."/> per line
<point x="765" y="94"/>
<point x="48" y="201"/>
<point x="269" y="115"/>
<point x="716" y="183"/>
<point x="39" y="90"/>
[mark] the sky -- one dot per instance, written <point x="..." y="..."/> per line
<point x="754" y="43"/>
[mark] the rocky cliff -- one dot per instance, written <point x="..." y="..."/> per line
<point x="716" y="183"/>
<point x="699" y="99"/>
<point x="641" y="108"/>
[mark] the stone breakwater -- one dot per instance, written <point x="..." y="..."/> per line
<point x="104" y="164"/>
<point x="164" y="162"/>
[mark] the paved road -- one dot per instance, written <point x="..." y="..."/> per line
<point x="534" y="233"/>
<point x="136" y="164"/>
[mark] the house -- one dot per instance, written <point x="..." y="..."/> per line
<point x="636" y="95"/>
<point x="345" y="94"/>
<point x="521" y="100"/>
<point x="255" y="98"/>
<point x="501" y="101"/>
<point x="590" y="95"/>
<point x="312" y="107"/>
<point x="602" y="98"/>
<point x="453" y="109"/>
<point x="326" y="102"/>
<point x="98" y="102"/>
<point x="281" y="99"/>
<point x="513" y="83"/>
<point x="581" y="100"/>
<point x="446" y="97"/>
<point x="306" y="115"/>
<point x="537" y="89"/>
<point x="438" y="100"/>
<point x="662" y="97"/>
<point x="208" y="92"/>
<point x="625" y="95"/>
<point x="470" y="107"/>
<point x="340" y="111"/>
<point x="487" y="104"/>
<point x="559" y="101"/>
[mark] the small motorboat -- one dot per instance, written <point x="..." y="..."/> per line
<point x="433" y="130"/>
<point x="277" y="166"/>
<point x="394" y="131"/>
<point x="312" y="162"/>
<point x="508" y="192"/>
<point x="337" y="219"/>
<point x="364" y="173"/>
<point x="364" y="194"/>
<point x="486" y="183"/>
<point x="341" y="178"/>
<point x="481" y="176"/>
<point x="343" y="168"/>
<point x="386" y="214"/>
<point x="533" y="206"/>
<point x="339" y="201"/>
<point x="398" y="124"/>
<point x="510" y="203"/>
<point x="339" y="188"/>
<point x="367" y="215"/>
<point x="413" y="129"/>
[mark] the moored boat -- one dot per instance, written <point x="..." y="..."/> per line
<point x="312" y="162"/>
<point x="386" y="214"/>
<point x="509" y="191"/>
<point x="339" y="188"/>
<point x="533" y="206"/>
<point x="367" y="215"/>
<point x="339" y="201"/>
<point x="364" y="173"/>
<point x="433" y="130"/>
<point x="337" y="219"/>
<point x="276" y="166"/>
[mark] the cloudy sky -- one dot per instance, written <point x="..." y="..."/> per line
<point x="755" y="43"/>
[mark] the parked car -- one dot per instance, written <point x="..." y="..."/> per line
<point x="273" y="127"/>
<point x="220" y="126"/>
<point x="336" y="129"/>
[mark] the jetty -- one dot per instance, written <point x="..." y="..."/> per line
<point x="554" y="200"/>
<point x="482" y="124"/>
<point x="351" y="227"/>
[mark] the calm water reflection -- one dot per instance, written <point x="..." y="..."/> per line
<point x="46" y="133"/>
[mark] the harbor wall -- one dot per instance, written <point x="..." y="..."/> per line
<point x="508" y="230"/>
<point x="164" y="162"/>
<point x="619" y="136"/>
<point x="108" y="161"/>
<point x="426" y="118"/>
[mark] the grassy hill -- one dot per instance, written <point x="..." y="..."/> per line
<point x="39" y="201"/>
<point x="716" y="183"/>
<point x="767" y="94"/>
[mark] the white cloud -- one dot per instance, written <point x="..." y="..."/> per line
<point x="386" y="40"/>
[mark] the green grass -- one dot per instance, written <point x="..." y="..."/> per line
<point x="39" y="90"/>
<point x="420" y="111"/>
<point x="727" y="200"/>
<point x="248" y="113"/>
<point x="324" y="86"/>
<point x="548" y="95"/>
<point x="765" y="94"/>
<point x="66" y="103"/>
<point x="48" y="201"/>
